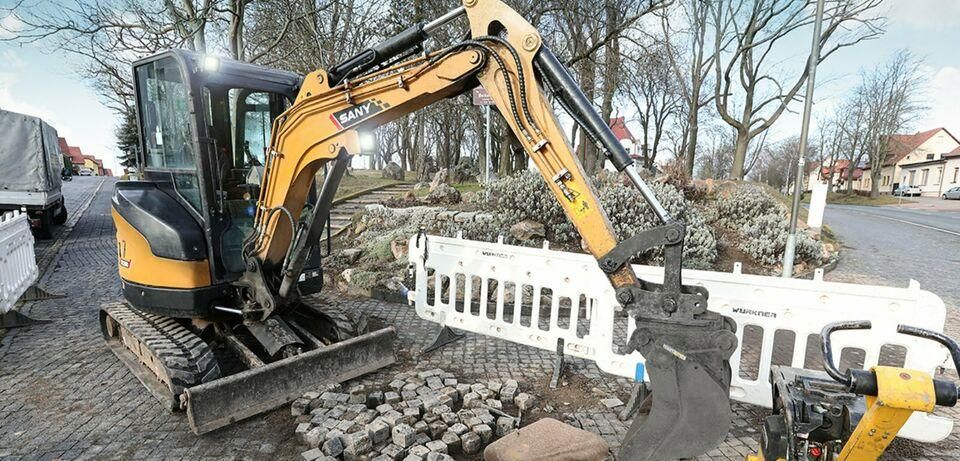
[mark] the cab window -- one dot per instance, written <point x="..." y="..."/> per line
<point x="165" y="115"/>
<point x="239" y="123"/>
<point x="167" y="127"/>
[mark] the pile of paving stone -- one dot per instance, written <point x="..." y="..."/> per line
<point x="420" y="416"/>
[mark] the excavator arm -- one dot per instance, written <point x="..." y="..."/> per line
<point x="686" y="347"/>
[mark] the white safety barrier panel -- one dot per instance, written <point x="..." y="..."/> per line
<point x="18" y="265"/>
<point x="538" y="296"/>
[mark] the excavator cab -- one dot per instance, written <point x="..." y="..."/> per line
<point x="205" y="126"/>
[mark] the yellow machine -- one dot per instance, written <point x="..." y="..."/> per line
<point x="219" y="246"/>
<point x="852" y="416"/>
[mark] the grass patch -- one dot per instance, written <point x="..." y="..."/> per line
<point x="360" y="180"/>
<point x="841" y="198"/>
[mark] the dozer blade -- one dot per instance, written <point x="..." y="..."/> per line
<point x="222" y="402"/>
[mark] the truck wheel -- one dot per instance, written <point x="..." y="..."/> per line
<point x="61" y="216"/>
<point x="45" y="231"/>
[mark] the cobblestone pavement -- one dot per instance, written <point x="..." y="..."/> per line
<point x="65" y="396"/>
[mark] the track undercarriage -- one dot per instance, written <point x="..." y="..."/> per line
<point x="222" y="372"/>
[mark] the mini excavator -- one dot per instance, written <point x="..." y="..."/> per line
<point x="220" y="246"/>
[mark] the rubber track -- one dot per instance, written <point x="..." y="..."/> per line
<point x="349" y="323"/>
<point x="187" y="359"/>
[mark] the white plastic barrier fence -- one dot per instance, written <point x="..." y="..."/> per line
<point x="539" y="296"/>
<point x="18" y="265"/>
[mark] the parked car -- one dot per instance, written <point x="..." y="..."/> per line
<point x="952" y="194"/>
<point x="85" y="172"/>
<point x="908" y="191"/>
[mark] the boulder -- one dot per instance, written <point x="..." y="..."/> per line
<point x="548" y="440"/>
<point x="443" y="194"/>
<point x="393" y="171"/>
<point x="399" y="248"/>
<point x="441" y="177"/>
<point x="351" y="254"/>
<point x="527" y="230"/>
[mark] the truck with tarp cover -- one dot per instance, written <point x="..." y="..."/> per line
<point x="31" y="165"/>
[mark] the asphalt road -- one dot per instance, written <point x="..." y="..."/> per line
<point x="890" y="246"/>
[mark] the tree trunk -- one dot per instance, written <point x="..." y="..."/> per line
<point x="875" y="182"/>
<point x="588" y="151"/>
<point x="504" y="169"/>
<point x="693" y="121"/>
<point x="480" y="119"/>
<point x="740" y="154"/>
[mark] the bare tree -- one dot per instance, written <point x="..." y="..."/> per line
<point x="655" y="96"/>
<point x="691" y="60"/>
<point x="777" y="163"/>
<point x="890" y="97"/>
<point x="716" y="154"/>
<point x="749" y="94"/>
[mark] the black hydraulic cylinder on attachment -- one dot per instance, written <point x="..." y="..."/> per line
<point x="388" y="49"/>
<point x="565" y="88"/>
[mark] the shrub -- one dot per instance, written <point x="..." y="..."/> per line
<point x="629" y="214"/>
<point x="761" y="221"/>
<point x="526" y="196"/>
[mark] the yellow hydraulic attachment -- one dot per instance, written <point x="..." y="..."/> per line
<point x="882" y="398"/>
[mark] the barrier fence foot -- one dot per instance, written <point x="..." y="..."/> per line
<point x="14" y="319"/>
<point x="35" y="293"/>
<point x="444" y="337"/>
<point x="558" y="365"/>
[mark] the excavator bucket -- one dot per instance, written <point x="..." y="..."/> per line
<point x="230" y="399"/>
<point x="690" y="412"/>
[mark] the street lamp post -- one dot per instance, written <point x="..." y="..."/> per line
<point x="790" y="251"/>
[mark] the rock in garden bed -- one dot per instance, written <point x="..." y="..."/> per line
<point x="417" y="416"/>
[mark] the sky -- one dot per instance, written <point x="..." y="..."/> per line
<point x="930" y="29"/>
<point x="42" y="82"/>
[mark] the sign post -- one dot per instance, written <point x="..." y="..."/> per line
<point x="482" y="98"/>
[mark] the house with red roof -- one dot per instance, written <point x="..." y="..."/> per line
<point x="925" y="159"/>
<point x="81" y="160"/>
<point x="842" y="172"/>
<point x="618" y="125"/>
<point x="94" y="164"/>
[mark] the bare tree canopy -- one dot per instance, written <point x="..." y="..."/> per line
<point x="752" y="91"/>
<point x="890" y="99"/>
<point x="303" y="35"/>
<point x="655" y="96"/>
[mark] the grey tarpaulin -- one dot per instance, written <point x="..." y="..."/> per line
<point x="30" y="158"/>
